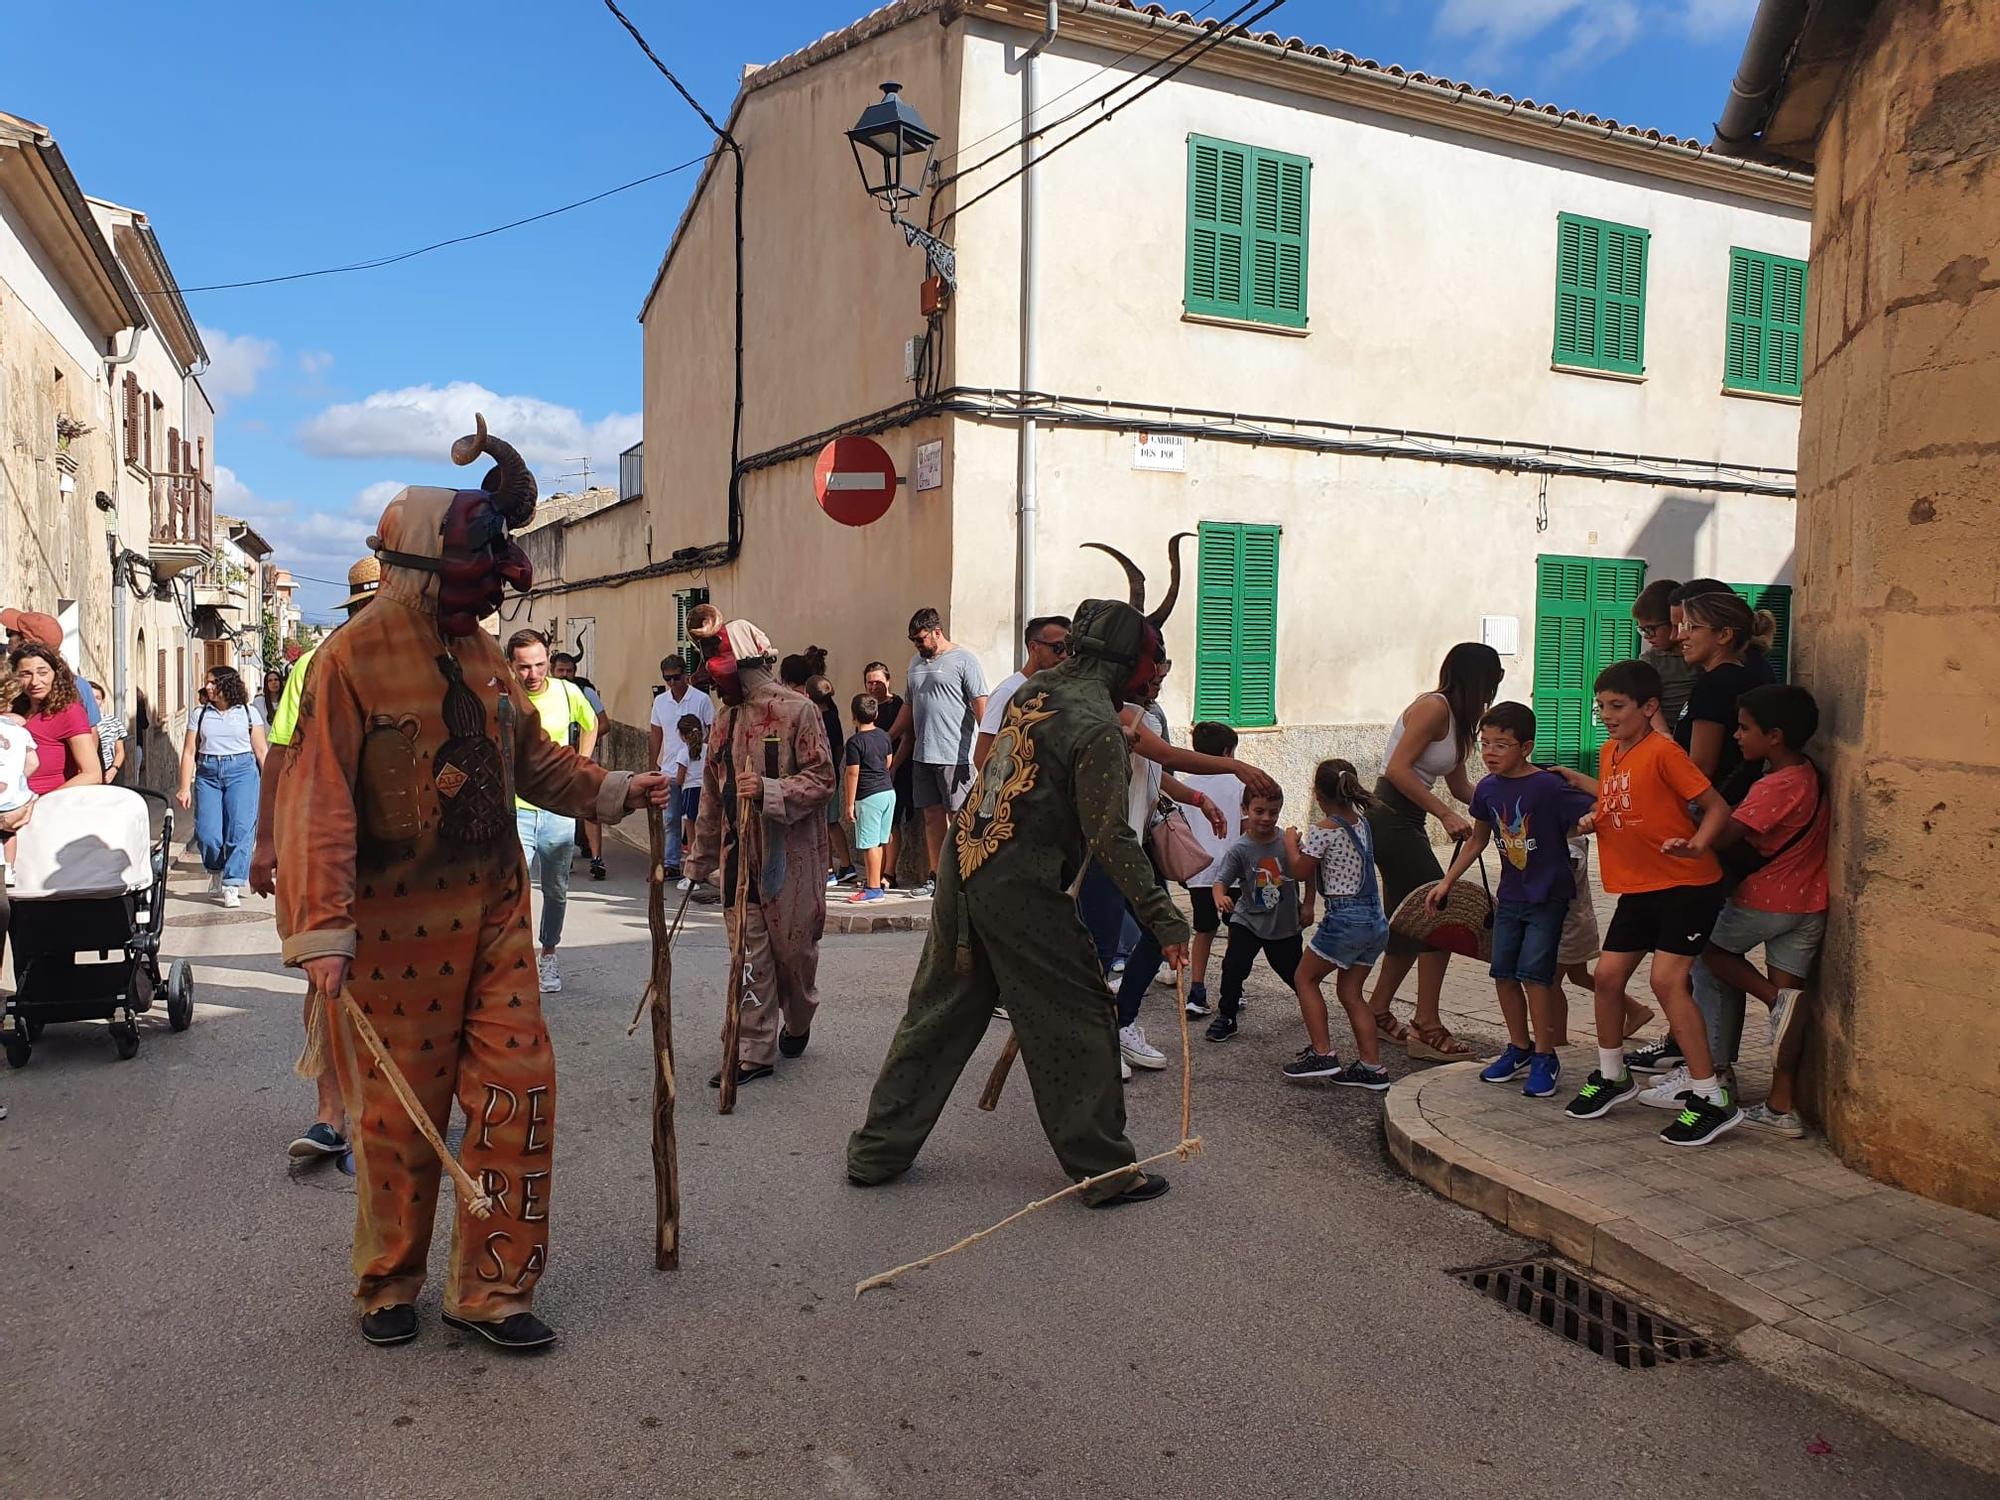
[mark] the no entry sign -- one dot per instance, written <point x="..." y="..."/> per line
<point x="854" y="480"/>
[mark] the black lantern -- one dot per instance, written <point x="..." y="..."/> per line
<point x="900" y="143"/>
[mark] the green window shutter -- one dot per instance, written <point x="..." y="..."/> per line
<point x="1777" y="598"/>
<point x="684" y="602"/>
<point x="1246" y="232"/>
<point x="1236" y="625"/>
<point x="1600" y="318"/>
<point x="1764" y="349"/>
<point x="1583" y="623"/>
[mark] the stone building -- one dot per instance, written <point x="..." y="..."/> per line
<point x="1896" y="108"/>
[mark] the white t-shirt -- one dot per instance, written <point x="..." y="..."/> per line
<point x="1342" y="859"/>
<point x="15" y="743"/>
<point x="1145" y="788"/>
<point x="666" y="718"/>
<point x="1226" y="792"/>
<point x="997" y="701"/>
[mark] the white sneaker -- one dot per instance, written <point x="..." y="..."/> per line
<point x="548" y="973"/>
<point x="684" y="884"/>
<point x="1777" y="1122"/>
<point x="1124" y="1071"/>
<point x="1132" y="1044"/>
<point x="1667" y="1089"/>
<point x="231" y="896"/>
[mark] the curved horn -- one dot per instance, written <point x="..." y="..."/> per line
<point x="1158" y="618"/>
<point x="1133" y="577"/>
<point x="508" y="481"/>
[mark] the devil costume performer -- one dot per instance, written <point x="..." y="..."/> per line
<point x="1004" y="931"/>
<point x="779" y="736"/>
<point x="396" y="833"/>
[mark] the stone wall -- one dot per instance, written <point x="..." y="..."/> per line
<point x="1898" y="600"/>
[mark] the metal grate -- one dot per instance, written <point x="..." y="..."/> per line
<point x="1583" y="1312"/>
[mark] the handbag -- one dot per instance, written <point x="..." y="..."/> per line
<point x="1180" y="855"/>
<point x="1463" y="925"/>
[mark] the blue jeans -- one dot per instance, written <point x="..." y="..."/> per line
<point x="1525" y="937"/>
<point x="670" y="817"/>
<point x="550" y="838"/>
<point x="1104" y="911"/>
<point x="225" y="814"/>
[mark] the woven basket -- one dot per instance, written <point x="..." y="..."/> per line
<point x="1463" y="925"/>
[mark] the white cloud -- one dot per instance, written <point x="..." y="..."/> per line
<point x="420" y="422"/>
<point x="237" y="361"/>
<point x="315" y="362"/>
<point x="316" y="544"/>
<point x="1717" y="20"/>
<point x="1567" y="33"/>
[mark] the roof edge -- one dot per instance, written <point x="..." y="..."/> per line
<point x="28" y="135"/>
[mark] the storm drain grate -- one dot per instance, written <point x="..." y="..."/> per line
<point x="1583" y="1312"/>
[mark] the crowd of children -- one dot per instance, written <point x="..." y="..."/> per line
<point x="1711" y="824"/>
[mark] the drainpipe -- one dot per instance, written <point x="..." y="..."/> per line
<point x="1024" y="478"/>
<point x="121" y="654"/>
<point x="1767" y="52"/>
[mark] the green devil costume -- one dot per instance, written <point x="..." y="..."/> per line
<point x="1004" y="928"/>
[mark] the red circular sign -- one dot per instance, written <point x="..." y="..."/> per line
<point x="854" y="480"/>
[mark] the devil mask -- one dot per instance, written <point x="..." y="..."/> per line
<point x="731" y="653"/>
<point x="476" y="560"/>
<point x="1149" y="649"/>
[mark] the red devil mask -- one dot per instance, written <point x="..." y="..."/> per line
<point x="717" y="671"/>
<point x="1139" y="685"/>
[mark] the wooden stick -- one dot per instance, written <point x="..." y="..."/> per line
<point x="1187" y="1054"/>
<point x="989" y="1097"/>
<point x="470" y="1195"/>
<point x="660" y="999"/>
<point x="674" y="932"/>
<point x="732" y="1020"/>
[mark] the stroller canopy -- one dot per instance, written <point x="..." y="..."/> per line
<point x="84" y="841"/>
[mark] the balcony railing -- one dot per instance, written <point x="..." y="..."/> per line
<point x="183" y="511"/>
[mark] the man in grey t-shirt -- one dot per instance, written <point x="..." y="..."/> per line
<point x="944" y="700"/>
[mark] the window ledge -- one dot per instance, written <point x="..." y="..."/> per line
<point x="1622" y="375"/>
<point x="1249" y="325"/>
<point x="1783" y="398"/>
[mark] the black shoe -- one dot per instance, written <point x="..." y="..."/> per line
<point x="868" y="1182"/>
<point x="789" y="1045"/>
<point x="1359" y="1075"/>
<point x="1598" y="1095"/>
<point x="1144" y="1190"/>
<point x="519" y="1331"/>
<point x="320" y="1139"/>
<point x="597" y="869"/>
<point x="1701" y="1121"/>
<point x="673" y="872"/>
<point x="395" y="1324"/>
<point x="1662" y="1056"/>
<point x="1310" y="1065"/>
<point x="1222" y="1028"/>
<point x="745" y="1073"/>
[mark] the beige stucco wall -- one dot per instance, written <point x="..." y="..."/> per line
<point x="1899" y="602"/>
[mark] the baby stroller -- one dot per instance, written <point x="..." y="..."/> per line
<point x="89" y="893"/>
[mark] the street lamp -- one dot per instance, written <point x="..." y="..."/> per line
<point x="895" y="136"/>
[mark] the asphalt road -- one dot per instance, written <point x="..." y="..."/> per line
<point x="177" y="1322"/>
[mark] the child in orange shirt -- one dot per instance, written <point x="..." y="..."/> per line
<point x="1670" y="891"/>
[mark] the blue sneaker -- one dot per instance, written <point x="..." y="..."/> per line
<point x="1545" y="1070"/>
<point x="1507" y="1066"/>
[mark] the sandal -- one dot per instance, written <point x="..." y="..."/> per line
<point x="1389" y="1029"/>
<point x="1435" y="1044"/>
<point x="1645" y="1016"/>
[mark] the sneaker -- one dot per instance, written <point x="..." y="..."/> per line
<point x="1668" y="1089"/>
<point x="1118" y="965"/>
<point x="1785" y="1014"/>
<point x="1508" y="1065"/>
<point x="1701" y="1121"/>
<point x="1148" y="1187"/>
<point x="868" y="893"/>
<point x="849" y="875"/>
<point x="1598" y="1095"/>
<point x="1545" y="1071"/>
<point x="395" y="1324"/>
<point x="683" y="884"/>
<point x="1222" y="1028"/>
<point x="928" y="889"/>
<point x="1662" y="1056"/>
<point x="520" y="1332"/>
<point x="547" y="972"/>
<point x="231" y="897"/>
<point x="1309" y="1065"/>
<point x="1784" y="1122"/>
<point x="1197" y="1000"/>
<point x="1361" y="1075"/>
<point x="674" y="873"/>
<point x="320" y="1139"/>
<point x="597" y="869"/>
<point x="1137" y="1051"/>
<point x="1124" y="1071"/>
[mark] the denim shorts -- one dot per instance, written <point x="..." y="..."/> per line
<point x="1525" y="938"/>
<point x="1352" y="934"/>
<point x="1790" y="939"/>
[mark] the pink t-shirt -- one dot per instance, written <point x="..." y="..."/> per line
<point x="51" y="734"/>
<point x="1776" y="808"/>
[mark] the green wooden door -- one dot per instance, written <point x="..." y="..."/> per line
<point x="1583" y="623"/>
<point x="1777" y="598"/>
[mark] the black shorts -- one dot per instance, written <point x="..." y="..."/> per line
<point x="1676" y="920"/>
<point x="1206" y="918"/>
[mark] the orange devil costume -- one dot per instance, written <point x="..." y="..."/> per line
<point x="395" y="825"/>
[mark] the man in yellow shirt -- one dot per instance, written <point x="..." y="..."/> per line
<point x="547" y="837"/>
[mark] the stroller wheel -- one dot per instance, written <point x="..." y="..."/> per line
<point x="126" y="1040"/>
<point x="17" y="1050"/>
<point x="180" y="995"/>
<point x="35" y="1030"/>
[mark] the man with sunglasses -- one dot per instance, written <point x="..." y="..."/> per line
<point x="667" y="747"/>
<point x="1047" y="638"/>
<point x="947" y="699"/>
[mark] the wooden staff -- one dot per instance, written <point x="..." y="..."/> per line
<point x="989" y="1097"/>
<point x="725" y="1094"/>
<point x="470" y="1194"/>
<point x="660" y="1000"/>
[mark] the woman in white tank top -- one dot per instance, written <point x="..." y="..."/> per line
<point x="1427" y="744"/>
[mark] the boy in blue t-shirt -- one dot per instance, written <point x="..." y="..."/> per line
<point x="1532" y="812"/>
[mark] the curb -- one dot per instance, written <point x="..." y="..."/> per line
<point x="874" y="921"/>
<point x="1599" y="1239"/>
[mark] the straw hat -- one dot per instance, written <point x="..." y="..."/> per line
<point x="363" y="578"/>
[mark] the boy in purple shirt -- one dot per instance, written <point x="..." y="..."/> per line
<point x="1532" y="813"/>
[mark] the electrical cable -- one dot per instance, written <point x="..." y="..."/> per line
<point x="1224" y="32"/>
<point x="462" y="239"/>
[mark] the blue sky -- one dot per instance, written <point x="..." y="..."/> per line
<point x="266" y="139"/>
